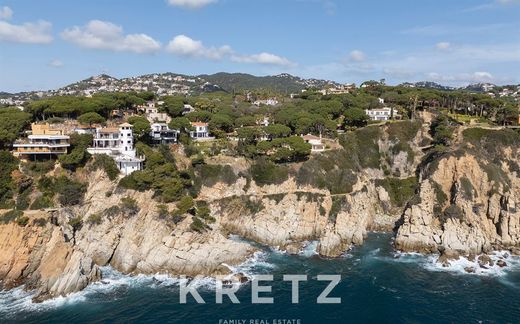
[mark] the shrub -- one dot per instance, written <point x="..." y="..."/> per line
<point x="76" y="223"/>
<point x="440" y="198"/>
<point x="453" y="212"/>
<point x="162" y="211"/>
<point x="210" y="174"/>
<point x="70" y="191"/>
<point x="198" y="225"/>
<point x="467" y="188"/>
<point x="8" y="163"/>
<point x="40" y="222"/>
<point x="112" y="212"/>
<point x="106" y="163"/>
<point x="36" y="168"/>
<point x="332" y="170"/>
<point x="95" y="219"/>
<point x="10" y="216"/>
<point x="22" y="221"/>
<point x="399" y="190"/>
<point x="129" y="206"/>
<point x="339" y="203"/>
<point x="41" y="202"/>
<point x="265" y="172"/>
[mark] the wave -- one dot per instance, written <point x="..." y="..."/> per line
<point x="463" y="265"/>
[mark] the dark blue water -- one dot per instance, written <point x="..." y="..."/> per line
<point x="376" y="287"/>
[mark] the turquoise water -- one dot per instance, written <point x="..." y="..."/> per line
<point x="377" y="285"/>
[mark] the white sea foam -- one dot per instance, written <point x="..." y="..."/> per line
<point x="310" y="248"/>
<point x="460" y="265"/>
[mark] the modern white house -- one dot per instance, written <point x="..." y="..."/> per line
<point x="315" y="141"/>
<point x="162" y="134"/>
<point x="382" y="114"/>
<point x="187" y="109"/>
<point x="118" y="143"/>
<point x="200" y="131"/>
<point x="263" y="122"/>
<point x="267" y="102"/>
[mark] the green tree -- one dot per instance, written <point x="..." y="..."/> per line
<point x="355" y="117"/>
<point x="12" y="121"/>
<point x="141" y="127"/>
<point x="174" y="105"/>
<point x="91" y="118"/>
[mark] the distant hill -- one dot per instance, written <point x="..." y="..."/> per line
<point x="284" y="83"/>
<point x="426" y="85"/>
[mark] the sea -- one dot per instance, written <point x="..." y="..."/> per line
<point x="378" y="285"/>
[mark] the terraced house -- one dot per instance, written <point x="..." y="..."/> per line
<point x="43" y="141"/>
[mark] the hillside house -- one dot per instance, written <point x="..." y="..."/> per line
<point x="315" y="142"/>
<point x="162" y="134"/>
<point x="200" y="131"/>
<point x="43" y="141"/>
<point x="382" y="114"/>
<point x="118" y="143"/>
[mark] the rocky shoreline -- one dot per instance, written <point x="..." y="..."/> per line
<point x="466" y="204"/>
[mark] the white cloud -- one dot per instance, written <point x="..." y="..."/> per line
<point x="185" y="46"/>
<point x="507" y="2"/>
<point x="56" y="63"/>
<point x="191" y="4"/>
<point x="35" y="33"/>
<point x="105" y="35"/>
<point x="442" y="45"/>
<point x="6" y="13"/>
<point x="263" y="58"/>
<point x="461" y="77"/>
<point x="357" y="56"/>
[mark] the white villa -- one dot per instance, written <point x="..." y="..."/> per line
<point x="315" y="141"/>
<point x="118" y="143"/>
<point x="187" y="109"/>
<point x="200" y="131"/>
<point x="382" y="114"/>
<point x="267" y="102"/>
<point x="162" y="134"/>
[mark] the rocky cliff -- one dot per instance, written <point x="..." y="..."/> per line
<point x="462" y="198"/>
<point x="469" y="197"/>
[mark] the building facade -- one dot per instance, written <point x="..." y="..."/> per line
<point x="43" y="141"/>
<point x="382" y="114"/>
<point x="315" y="142"/>
<point x="200" y="131"/>
<point x="118" y="143"/>
<point x="162" y="134"/>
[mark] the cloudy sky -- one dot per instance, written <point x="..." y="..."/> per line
<point x="48" y="44"/>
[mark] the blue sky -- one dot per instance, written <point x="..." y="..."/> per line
<point x="48" y="44"/>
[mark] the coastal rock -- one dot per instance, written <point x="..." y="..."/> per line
<point x="465" y="205"/>
<point x="501" y="263"/>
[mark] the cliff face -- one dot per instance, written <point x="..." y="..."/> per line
<point x="56" y="259"/>
<point x="469" y="198"/>
<point x="465" y="198"/>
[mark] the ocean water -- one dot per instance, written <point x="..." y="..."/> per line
<point x="378" y="285"/>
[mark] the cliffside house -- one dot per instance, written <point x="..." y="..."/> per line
<point x="382" y="114"/>
<point x="43" y="141"/>
<point x="153" y="115"/>
<point x="315" y="141"/>
<point x="162" y="134"/>
<point x="118" y="143"/>
<point x="188" y="109"/>
<point x="267" y="102"/>
<point x="200" y="131"/>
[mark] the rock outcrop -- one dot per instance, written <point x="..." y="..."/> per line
<point x="468" y="201"/>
